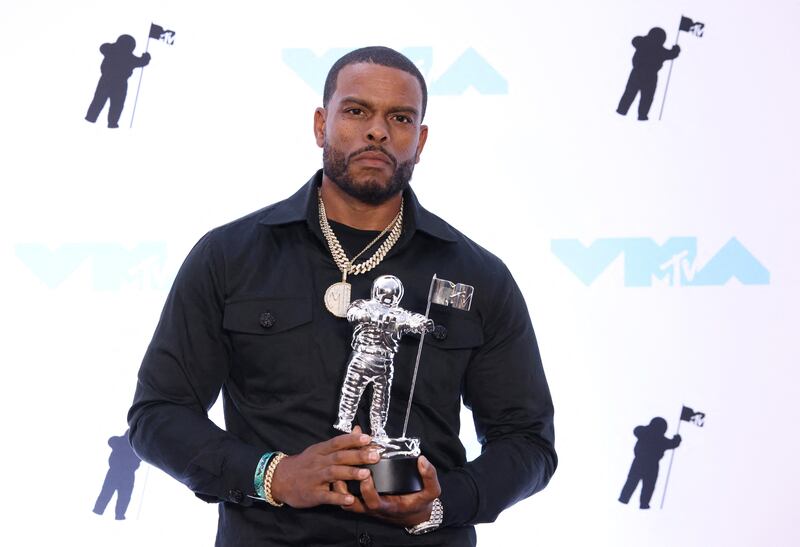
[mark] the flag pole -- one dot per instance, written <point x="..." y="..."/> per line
<point x="138" y="87"/>
<point x="669" y="469"/>
<point x="666" y="88"/>
<point x="419" y="353"/>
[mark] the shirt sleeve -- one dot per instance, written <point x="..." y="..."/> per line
<point x="181" y="375"/>
<point x="506" y="389"/>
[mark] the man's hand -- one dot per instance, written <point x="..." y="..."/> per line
<point x="304" y="480"/>
<point x="406" y="510"/>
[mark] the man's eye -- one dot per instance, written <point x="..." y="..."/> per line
<point x="354" y="111"/>
<point x="403" y="118"/>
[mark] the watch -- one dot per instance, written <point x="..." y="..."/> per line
<point x="437" y="516"/>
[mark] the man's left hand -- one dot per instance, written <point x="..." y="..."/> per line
<point x="405" y="510"/>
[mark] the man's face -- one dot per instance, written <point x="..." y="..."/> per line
<point x="370" y="132"/>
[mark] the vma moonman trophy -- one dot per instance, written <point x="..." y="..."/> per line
<point x="378" y="325"/>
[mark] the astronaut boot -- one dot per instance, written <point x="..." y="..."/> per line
<point x="343" y="425"/>
<point x="382" y="439"/>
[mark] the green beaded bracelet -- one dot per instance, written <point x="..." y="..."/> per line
<point x="258" y="478"/>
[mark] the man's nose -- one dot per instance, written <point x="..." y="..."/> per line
<point x="378" y="133"/>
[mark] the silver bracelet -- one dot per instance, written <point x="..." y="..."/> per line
<point x="437" y="516"/>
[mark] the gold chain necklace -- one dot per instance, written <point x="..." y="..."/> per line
<point x="337" y="296"/>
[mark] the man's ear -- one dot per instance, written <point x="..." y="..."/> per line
<point x="319" y="125"/>
<point x="423" y="137"/>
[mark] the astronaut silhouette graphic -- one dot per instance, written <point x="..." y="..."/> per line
<point x="117" y="66"/>
<point x="122" y="466"/>
<point x="650" y="447"/>
<point x="647" y="61"/>
<point x="378" y="325"/>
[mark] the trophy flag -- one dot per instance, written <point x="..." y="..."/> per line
<point x="446" y="293"/>
<point x="453" y="295"/>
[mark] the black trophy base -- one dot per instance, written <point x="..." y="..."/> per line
<point x="396" y="475"/>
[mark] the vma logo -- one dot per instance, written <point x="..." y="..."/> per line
<point x="468" y="70"/>
<point x="113" y="266"/>
<point x="672" y="264"/>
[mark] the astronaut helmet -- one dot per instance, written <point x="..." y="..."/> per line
<point x="388" y="290"/>
<point x="126" y="42"/>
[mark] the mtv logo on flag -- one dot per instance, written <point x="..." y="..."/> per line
<point x="158" y="33"/>
<point x="687" y="25"/>
<point x="453" y="295"/>
<point x="689" y="415"/>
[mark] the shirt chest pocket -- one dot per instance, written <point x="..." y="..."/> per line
<point x="270" y="340"/>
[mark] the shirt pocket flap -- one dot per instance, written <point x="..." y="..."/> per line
<point x="454" y="329"/>
<point x="262" y="315"/>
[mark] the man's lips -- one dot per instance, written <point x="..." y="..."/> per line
<point x="372" y="156"/>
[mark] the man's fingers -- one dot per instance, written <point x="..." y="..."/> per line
<point x="430" y="481"/>
<point x="335" y="498"/>
<point x="356" y="506"/>
<point x="369" y="495"/>
<point x="361" y="456"/>
<point x="343" y="442"/>
<point x="339" y="486"/>
<point x="334" y="473"/>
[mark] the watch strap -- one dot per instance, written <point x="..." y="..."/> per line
<point x="435" y="520"/>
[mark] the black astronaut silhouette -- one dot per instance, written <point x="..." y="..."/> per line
<point x="122" y="466"/>
<point x="117" y="66"/>
<point x="647" y="61"/>
<point x="650" y="447"/>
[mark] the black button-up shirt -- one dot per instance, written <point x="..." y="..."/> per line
<point x="246" y="315"/>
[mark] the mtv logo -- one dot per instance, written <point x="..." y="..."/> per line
<point x="113" y="265"/>
<point x="672" y="264"/>
<point x="470" y="69"/>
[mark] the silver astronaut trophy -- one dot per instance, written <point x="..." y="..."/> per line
<point x="378" y="325"/>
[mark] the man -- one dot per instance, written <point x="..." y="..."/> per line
<point x="256" y="311"/>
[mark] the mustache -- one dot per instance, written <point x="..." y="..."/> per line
<point x="373" y="148"/>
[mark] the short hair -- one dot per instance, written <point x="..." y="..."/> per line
<point x="378" y="55"/>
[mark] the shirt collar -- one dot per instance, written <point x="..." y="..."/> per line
<point x="303" y="206"/>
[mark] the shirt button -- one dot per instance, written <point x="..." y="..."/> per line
<point x="266" y="320"/>
<point x="236" y="496"/>
<point x="365" y="539"/>
<point x="440" y="332"/>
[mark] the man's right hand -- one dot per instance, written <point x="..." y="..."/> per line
<point x="304" y="480"/>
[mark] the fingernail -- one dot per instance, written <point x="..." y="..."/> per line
<point x="348" y="500"/>
<point x="364" y="438"/>
<point x="424" y="461"/>
<point x="374" y="456"/>
<point x="363" y="473"/>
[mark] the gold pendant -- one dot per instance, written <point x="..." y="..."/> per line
<point x="337" y="298"/>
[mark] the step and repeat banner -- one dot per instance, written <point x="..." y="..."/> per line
<point x="633" y="162"/>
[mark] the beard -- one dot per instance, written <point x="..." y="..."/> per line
<point x="372" y="191"/>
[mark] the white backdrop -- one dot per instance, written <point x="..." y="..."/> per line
<point x="526" y="155"/>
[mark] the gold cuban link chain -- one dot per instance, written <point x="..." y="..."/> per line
<point x="348" y="266"/>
